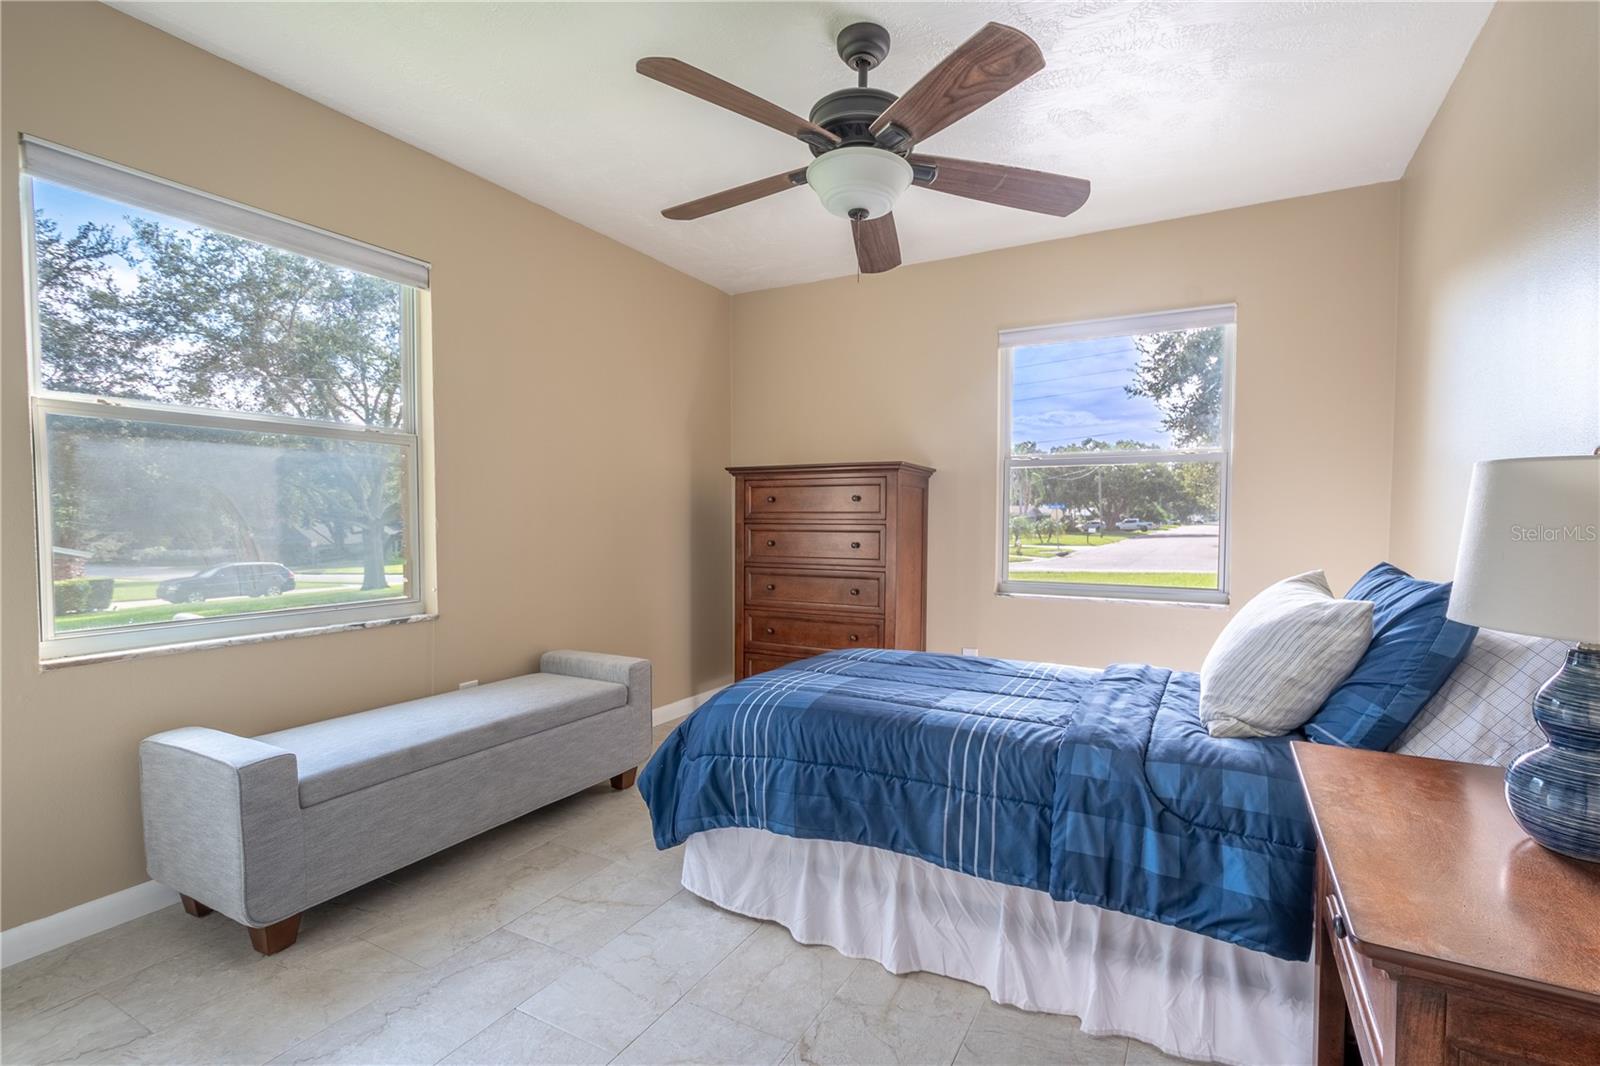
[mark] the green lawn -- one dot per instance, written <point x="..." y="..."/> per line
<point x="1070" y="540"/>
<point x="164" y="612"/>
<point x="133" y="590"/>
<point x="1031" y="547"/>
<point x="1157" y="578"/>
<point x="391" y="568"/>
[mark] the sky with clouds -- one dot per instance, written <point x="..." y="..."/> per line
<point x="1062" y="393"/>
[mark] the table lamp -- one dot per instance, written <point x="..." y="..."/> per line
<point x="1530" y="563"/>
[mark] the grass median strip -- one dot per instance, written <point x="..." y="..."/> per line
<point x="220" y="608"/>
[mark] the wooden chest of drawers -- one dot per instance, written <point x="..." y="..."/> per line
<point x="828" y="556"/>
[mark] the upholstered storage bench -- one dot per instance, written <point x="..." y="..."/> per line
<point x="263" y="828"/>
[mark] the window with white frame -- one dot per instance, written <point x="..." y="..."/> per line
<point x="224" y="413"/>
<point x="1115" y="446"/>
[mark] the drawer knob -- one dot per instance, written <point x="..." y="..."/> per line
<point x="1339" y="928"/>
<point x="772" y="544"/>
<point x="855" y="592"/>
<point x="855" y="499"/>
<point x="772" y="499"/>
<point x="854" y="638"/>
<point x="855" y="544"/>
<point x="769" y="629"/>
<point x="771" y="587"/>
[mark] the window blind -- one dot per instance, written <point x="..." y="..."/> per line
<point x="41" y="159"/>
<point x="1160" y="322"/>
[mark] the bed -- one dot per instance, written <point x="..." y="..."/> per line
<point x="1071" y="839"/>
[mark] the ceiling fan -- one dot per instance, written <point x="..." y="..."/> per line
<point x="863" y="138"/>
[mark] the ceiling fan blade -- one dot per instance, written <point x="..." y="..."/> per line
<point x="994" y="59"/>
<point x="714" y="90"/>
<point x="1030" y="190"/>
<point x="877" y="244"/>
<point x="743" y="194"/>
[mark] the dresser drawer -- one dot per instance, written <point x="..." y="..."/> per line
<point x="821" y="633"/>
<point x="827" y="545"/>
<point x="796" y="588"/>
<point x="761" y="663"/>
<point x="822" y="498"/>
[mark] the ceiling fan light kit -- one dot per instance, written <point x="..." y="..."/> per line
<point x="863" y="137"/>
<point x="858" y="182"/>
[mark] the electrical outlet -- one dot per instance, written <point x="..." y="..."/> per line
<point x="469" y="684"/>
<point x="969" y="651"/>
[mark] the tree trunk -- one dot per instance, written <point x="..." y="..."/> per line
<point x="374" y="556"/>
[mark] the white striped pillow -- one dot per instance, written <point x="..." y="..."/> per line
<point x="1280" y="657"/>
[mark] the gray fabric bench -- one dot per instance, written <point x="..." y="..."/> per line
<point x="263" y="828"/>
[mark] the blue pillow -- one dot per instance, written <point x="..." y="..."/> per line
<point x="1414" y="647"/>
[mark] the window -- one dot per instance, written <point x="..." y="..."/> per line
<point x="1115" y="457"/>
<point x="224" y="410"/>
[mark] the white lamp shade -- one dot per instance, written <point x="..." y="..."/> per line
<point x="859" y="178"/>
<point x="1530" y="548"/>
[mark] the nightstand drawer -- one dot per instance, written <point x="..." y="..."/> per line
<point x="797" y="588"/>
<point x="1368" y="991"/>
<point x="821" y="545"/>
<point x="822" y="498"/>
<point x="796" y="632"/>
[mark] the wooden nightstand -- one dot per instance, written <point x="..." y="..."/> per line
<point x="1444" y="935"/>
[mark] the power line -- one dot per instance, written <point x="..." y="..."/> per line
<point x="1068" y="377"/>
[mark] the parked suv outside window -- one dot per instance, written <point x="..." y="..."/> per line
<point x="229" y="579"/>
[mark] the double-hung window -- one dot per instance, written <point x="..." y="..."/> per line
<point x="224" y="414"/>
<point x="1114" y="457"/>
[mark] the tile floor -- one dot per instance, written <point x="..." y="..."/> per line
<point x="562" y="937"/>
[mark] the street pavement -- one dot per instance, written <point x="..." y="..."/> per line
<point x="1183" y="548"/>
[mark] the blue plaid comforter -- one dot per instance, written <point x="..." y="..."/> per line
<point x="1098" y="786"/>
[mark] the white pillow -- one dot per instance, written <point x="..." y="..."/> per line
<point x="1484" y="712"/>
<point x="1280" y="657"/>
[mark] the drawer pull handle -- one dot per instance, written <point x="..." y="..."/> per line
<point x="769" y="630"/>
<point x="772" y="544"/>
<point x="855" y="592"/>
<point x="1339" y="928"/>
<point x="771" y="587"/>
<point x="772" y="499"/>
<point x="855" y="498"/>
<point x="855" y="544"/>
<point x="854" y="638"/>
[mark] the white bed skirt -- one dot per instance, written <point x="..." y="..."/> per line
<point x="1188" y="994"/>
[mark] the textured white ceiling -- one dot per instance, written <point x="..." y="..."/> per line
<point x="1170" y="109"/>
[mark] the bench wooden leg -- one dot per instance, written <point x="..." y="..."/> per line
<point x="624" y="779"/>
<point x="272" y="939"/>
<point x="194" y="906"/>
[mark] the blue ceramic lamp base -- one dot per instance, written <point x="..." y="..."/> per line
<point x="1554" y="791"/>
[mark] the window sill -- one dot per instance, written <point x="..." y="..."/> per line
<point x="63" y="661"/>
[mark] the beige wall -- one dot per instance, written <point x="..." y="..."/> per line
<point x="1499" y="351"/>
<point x="904" y="366"/>
<point x="580" y="406"/>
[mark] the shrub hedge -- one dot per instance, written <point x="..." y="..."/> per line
<point x="74" y="595"/>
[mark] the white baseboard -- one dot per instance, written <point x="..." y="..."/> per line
<point x="35" y="938"/>
<point x="671" y="712"/>
<point x="86" y="919"/>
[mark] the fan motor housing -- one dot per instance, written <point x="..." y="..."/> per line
<point x="848" y="112"/>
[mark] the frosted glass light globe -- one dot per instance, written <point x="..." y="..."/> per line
<point x="858" y="178"/>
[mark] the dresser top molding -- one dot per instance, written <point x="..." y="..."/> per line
<point x="1434" y="875"/>
<point x="823" y="468"/>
